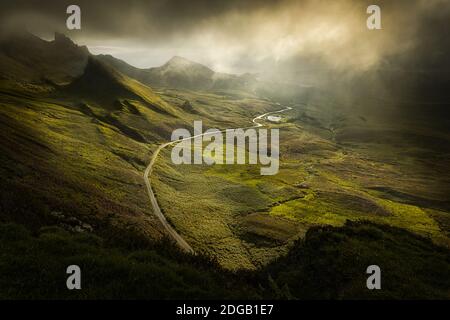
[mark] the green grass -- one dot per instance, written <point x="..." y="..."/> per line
<point x="82" y="155"/>
<point x="345" y="180"/>
<point x="155" y="271"/>
<point x="66" y="159"/>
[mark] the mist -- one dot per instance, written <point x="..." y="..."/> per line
<point x="258" y="36"/>
<point x="309" y="44"/>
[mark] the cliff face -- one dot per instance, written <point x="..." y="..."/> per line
<point x="25" y="57"/>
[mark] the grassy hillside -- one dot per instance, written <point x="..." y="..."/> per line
<point x="75" y="154"/>
<point x="60" y="165"/>
<point x="104" y="85"/>
<point x="335" y="167"/>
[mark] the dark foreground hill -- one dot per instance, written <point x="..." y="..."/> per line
<point x="330" y="263"/>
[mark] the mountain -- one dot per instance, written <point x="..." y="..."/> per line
<point x="72" y="73"/>
<point x="182" y="73"/>
<point x="24" y="56"/>
<point x="122" y="66"/>
<point x="104" y="85"/>
<point x="28" y="58"/>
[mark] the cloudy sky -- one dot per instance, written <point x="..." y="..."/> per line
<point x="245" y="36"/>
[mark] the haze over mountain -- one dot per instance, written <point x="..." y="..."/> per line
<point x="182" y="73"/>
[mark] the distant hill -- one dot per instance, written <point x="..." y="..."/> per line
<point x="182" y="73"/>
<point x="179" y="72"/>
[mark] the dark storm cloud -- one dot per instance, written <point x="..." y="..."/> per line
<point x="130" y="28"/>
<point x="134" y="18"/>
<point x="236" y="35"/>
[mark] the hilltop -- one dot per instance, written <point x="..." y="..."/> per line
<point x="101" y="83"/>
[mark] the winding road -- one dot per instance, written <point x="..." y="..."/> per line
<point x="148" y="171"/>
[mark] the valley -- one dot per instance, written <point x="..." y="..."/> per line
<point x="245" y="220"/>
<point x="88" y="178"/>
<point x="156" y="208"/>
